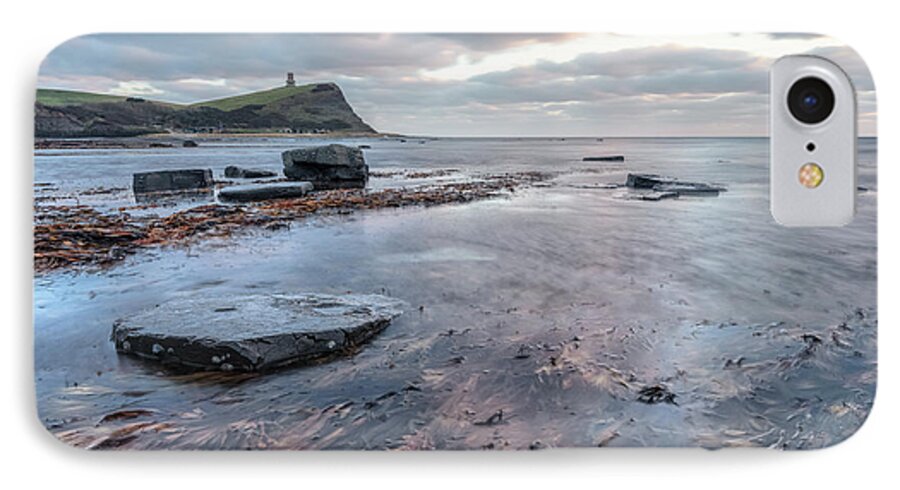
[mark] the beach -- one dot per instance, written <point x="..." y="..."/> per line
<point x="546" y="308"/>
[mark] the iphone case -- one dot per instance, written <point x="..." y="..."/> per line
<point x="438" y="241"/>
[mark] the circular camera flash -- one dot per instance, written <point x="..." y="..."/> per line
<point x="811" y="175"/>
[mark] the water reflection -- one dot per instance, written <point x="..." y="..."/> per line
<point x="554" y="309"/>
<point x="180" y="198"/>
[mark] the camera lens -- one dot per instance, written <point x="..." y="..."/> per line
<point x="810" y="100"/>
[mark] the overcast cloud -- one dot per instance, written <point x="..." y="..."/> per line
<point x="511" y="84"/>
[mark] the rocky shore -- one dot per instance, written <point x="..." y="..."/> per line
<point x="323" y="179"/>
<point x="80" y="235"/>
<point x="576" y="314"/>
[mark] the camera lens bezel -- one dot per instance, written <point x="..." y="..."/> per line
<point x="811" y="100"/>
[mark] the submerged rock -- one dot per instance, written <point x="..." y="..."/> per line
<point x="172" y="180"/>
<point x="646" y="181"/>
<point x="327" y="167"/>
<point x="610" y="158"/>
<point x="263" y="192"/>
<point x="662" y="184"/>
<point x="253" y="332"/>
<point x="235" y="172"/>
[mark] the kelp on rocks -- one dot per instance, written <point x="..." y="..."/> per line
<point x="70" y="236"/>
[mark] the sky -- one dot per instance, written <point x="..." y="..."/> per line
<point x="601" y="85"/>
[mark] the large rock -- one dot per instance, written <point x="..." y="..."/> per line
<point x="668" y="184"/>
<point x="327" y="167"/>
<point x="172" y="180"/>
<point x="253" y="332"/>
<point x="646" y="181"/>
<point x="610" y="158"/>
<point x="263" y="192"/>
<point x="235" y="172"/>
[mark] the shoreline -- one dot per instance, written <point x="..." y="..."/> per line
<point x="173" y="140"/>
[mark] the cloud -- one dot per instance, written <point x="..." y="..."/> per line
<point x="178" y="56"/>
<point x="135" y="88"/>
<point x="803" y="36"/>
<point x="669" y="69"/>
<point x="216" y="82"/>
<point x="486" y="43"/>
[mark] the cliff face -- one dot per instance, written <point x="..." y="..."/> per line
<point x="126" y="118"/>
<point x="309" y="108"/>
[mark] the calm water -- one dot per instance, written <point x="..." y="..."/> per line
<point x="556" y="306"/>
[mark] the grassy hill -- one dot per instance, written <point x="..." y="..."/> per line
<point x="54" y="97"/>
<point x="319" y="108"/>
<point x="255" y="98"/>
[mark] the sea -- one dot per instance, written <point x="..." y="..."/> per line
<point x="542" y="318"/>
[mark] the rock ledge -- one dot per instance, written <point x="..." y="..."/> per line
<point x="253" y="332"/>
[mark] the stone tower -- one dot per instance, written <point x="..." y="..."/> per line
<point x="290" y="79"/>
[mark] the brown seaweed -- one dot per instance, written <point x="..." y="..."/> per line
<point x="68" y="236"/>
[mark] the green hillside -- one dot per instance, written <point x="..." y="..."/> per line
<point x="54" y="97"/>
<point x="255" y="98"/>
<point x="318" y="108"/>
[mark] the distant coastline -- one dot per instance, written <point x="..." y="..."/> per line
<point x="312" y="109"/>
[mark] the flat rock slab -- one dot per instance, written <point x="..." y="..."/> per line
<point x="172" y="180"/>
<point x="662" y="184"/>
<point x="647" y="181"/>
<point x="253" y="332"/>
<point x="607" y="158"/>
<point x="264" y="192"/>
